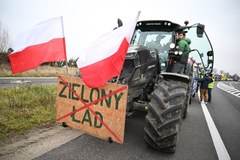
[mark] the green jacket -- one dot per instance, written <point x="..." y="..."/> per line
<point x="183" y="45"/>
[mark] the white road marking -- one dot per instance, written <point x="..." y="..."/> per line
<point x="217" y="140"/>
<point x="229" y="89"/>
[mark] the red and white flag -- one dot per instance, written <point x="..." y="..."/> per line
<point x="44" y="42"/>
<point x="104" y="58"/>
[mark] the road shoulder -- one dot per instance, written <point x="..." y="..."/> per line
<point x="38" y="142"/>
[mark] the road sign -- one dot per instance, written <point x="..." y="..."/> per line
<point x="99" y="112"/>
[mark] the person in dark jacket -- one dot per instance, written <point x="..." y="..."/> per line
<point x="204" y="88"/>
<point x="184" y="50"/>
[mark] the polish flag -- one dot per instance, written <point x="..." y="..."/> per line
<point x="44" y="42"/>
<point x="104" y="58"/>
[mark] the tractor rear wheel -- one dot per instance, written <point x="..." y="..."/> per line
<point x="164" y="116"/>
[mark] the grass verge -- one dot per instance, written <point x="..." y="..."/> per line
<point x="26" y="108"/>
<point x="40" y="71"/>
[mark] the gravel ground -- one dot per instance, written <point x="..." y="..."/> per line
<point x="37" y="143"/>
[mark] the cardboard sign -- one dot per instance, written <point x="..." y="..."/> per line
<point x="100" y="112"/>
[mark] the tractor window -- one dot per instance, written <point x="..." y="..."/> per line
<point x="200" y="47"/>
<point x="156" y="40"/>
<point x="136" y="37"/>
<point x="160" y="41"/>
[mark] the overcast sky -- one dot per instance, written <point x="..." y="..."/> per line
<point x="86" y="20"/>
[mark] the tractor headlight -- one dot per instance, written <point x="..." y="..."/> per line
<point x="172" y="45"/>
<point x="131" y="54"/>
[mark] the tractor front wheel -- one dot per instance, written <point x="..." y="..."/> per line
<point x="165" y="112"/>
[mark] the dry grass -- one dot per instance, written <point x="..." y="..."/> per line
<point x="41" y="71"/>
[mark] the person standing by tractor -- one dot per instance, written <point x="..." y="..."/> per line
<point x="210" y="87"/>
<point x="183" y="50"/>
<point x="204" y="88"/>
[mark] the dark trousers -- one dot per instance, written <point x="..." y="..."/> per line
<point x="209" y="94"/>
<point x="178" y="68"/>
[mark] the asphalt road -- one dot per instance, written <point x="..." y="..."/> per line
<point x="225" y="111"/>
<point x="6" y="82"/>
<point x="192" y="143"/>
<point x="196" y="141"/>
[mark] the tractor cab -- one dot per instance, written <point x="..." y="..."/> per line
<point x="161" y="36"/>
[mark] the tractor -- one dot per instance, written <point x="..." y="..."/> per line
<point x="153" y="85"/>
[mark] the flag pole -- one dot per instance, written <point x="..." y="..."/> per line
<point x="64" y="44"/>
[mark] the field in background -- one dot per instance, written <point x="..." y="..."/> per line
<point x="41" y="71"/>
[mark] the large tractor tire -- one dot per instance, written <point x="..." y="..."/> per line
<point x="187" y="100"/>
<point x="165" y="113"/>
<point x="187" y="103"/>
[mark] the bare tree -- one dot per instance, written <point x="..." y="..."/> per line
<point x="4" y="39"/>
